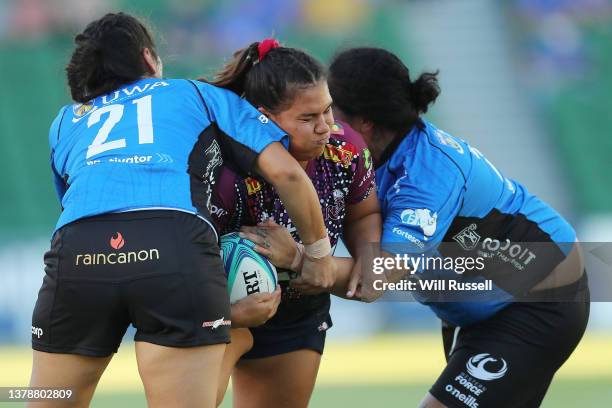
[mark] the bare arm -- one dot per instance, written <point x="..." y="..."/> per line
<point x="300" y="199"/>
<point x="362" y="225"/>
<point x="276" y="243"/>
<point x="295" y="189"/>
<point x="362" y="230"/>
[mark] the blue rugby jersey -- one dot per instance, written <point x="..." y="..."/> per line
<point x="436" y="188"/>
<point x="153" y="143"/>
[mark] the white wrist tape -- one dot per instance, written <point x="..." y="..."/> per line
<point x="318" y="249"/>
<point x="297" y="259"/>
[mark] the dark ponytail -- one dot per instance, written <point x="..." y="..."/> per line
<point x="108" y="54"/>
<point x="233" y="75"/>
<point x="272" y="81"/>
<point x="424" y="91"/>
<point x="375" y="84"/>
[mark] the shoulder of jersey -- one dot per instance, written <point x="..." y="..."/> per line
<point x="434" y="148"/>
<point x="445" y="141"/>
<point x="78" y="111"/>
<point x="447" y="145"/>
<point x="343" y="132"/>
<point x="337" y="129"/>
<point x="344" y="144"/>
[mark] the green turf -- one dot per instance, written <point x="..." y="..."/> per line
<point x="562" y="394"/>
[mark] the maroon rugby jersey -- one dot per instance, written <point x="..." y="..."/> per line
<point x="342" y="175"/>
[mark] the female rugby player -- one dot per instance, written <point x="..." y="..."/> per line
<point x="439" y="193"/>
<point x="289" y="87"/>
<point x="134" y="162"/>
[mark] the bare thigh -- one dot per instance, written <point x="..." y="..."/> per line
<point x="180" y="377"/>
<point x="283" y="381"/>
<point x="242" y="341"/>
<point x="67" y="371"/>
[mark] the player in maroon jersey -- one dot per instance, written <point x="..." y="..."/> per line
<point x="289" y="87"/>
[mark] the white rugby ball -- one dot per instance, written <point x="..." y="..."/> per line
<point x="247" y="271"/>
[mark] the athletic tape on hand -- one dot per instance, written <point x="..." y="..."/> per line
<point x="297" y="259"/>
<point x="318" y="249"/>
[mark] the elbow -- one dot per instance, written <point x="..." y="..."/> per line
<point x="277" y="166"/>
<point x="285" y="174"/>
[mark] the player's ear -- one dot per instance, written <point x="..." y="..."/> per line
<point x="152" y="62"/>
<point x="275" y="117"/>
<point x="366" y="126"/>
<point x="363" y="126"/>
<point x="264" y="111"/>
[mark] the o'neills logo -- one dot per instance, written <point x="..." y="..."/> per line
<point x="113" y="258"/>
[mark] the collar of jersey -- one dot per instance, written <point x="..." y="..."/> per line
<point x="393" y="146"/>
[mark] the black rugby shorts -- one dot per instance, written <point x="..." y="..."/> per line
<point x="157" y="270"/>
<point x="510" y="359"/>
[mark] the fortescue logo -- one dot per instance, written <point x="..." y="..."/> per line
<point x="113" y="258"/>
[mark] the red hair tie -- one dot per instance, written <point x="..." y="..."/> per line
<point x="265" y="46"/>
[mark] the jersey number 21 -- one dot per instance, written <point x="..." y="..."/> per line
<point x="145" y="126"/>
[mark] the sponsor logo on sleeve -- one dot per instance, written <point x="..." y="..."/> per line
<point x="448" y="140"/>
<point x="422" y="218"/>
<point x="408" y="236"/>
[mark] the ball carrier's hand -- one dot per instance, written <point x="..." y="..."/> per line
<point x="319" y="269"/>
<point x="274" y="242"/>
<point x="255" y="310"/>
<point x="300" y="198"/>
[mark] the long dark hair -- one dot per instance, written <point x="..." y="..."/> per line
<point x="108" y="54"/>
<point x="269" y="82"/>
<point x="375" y="84"/>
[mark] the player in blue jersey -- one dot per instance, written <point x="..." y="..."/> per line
<point x="135" y="160"/>
<point x="441" y="196"/>
<point x="284" y="351"/>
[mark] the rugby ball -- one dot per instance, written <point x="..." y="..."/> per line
<point x="247" y="271"/>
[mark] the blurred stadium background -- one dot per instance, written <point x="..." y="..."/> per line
<point x="527" y="81"/>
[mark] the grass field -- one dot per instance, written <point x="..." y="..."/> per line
<point x="385" y="371"/>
